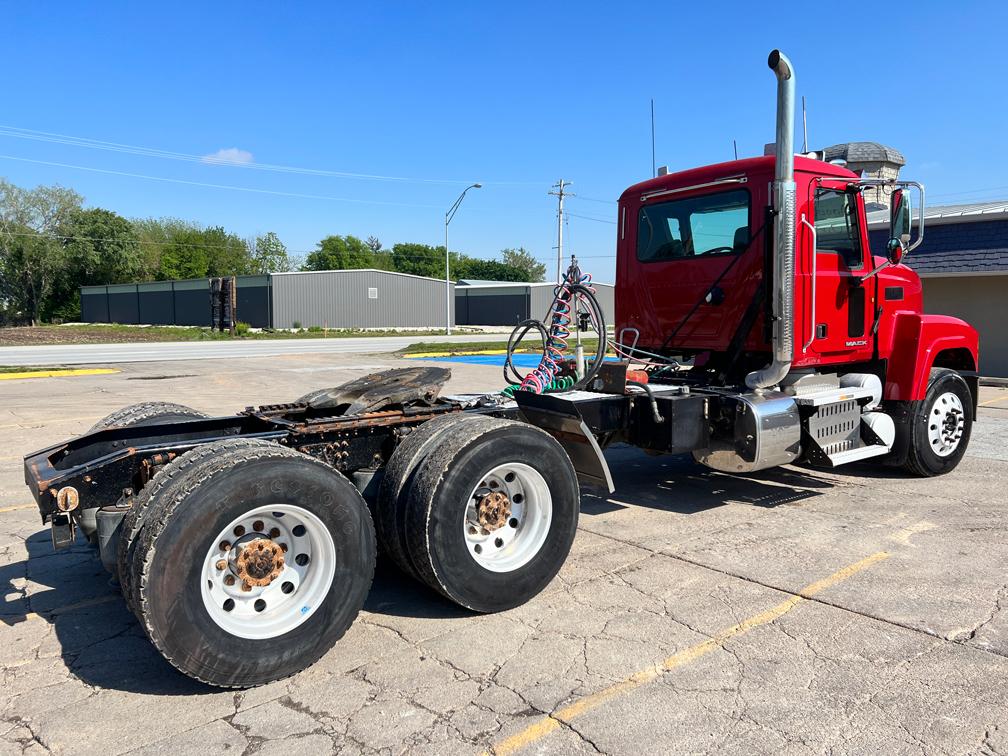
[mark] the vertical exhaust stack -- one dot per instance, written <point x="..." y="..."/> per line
<point x="782" y="280"/>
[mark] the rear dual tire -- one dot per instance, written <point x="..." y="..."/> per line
<point x="435" y="487"/>
<point x="189" y="589"/>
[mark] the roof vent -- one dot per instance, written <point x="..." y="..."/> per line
<point x="664" y="170"/>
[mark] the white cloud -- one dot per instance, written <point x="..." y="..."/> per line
<point x="229" y="156"/>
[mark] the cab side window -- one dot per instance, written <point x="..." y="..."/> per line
<point x="836" y="225"/>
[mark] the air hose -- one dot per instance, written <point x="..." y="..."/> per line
<point x="561" y="383"/>
<point x="574" y="293"/>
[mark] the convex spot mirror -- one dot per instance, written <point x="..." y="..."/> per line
<point x="899" y="226"/>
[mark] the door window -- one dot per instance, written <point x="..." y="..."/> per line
<point x="836" y="226"/>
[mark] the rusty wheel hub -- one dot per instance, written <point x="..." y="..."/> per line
<point x="493" y="510"/>
<point x="259" y="562"/>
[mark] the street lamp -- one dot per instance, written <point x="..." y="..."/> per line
<point x="447" y="285"/>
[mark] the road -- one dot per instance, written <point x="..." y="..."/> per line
<point x="788" y="611"/>
<point x="111" y="354"/>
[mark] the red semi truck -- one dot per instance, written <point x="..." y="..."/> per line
<point x="756" y="327"/>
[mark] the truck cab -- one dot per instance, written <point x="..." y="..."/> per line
<point x="732" y="266"/>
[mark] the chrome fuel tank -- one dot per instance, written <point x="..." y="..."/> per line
<point x="766" y="432"/>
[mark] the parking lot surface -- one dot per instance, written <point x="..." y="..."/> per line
<point x="789" y="611"/>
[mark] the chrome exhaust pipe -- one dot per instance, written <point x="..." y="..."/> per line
<point x="782" y="281"/>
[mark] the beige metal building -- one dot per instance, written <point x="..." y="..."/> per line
<point x="963" y="265"/>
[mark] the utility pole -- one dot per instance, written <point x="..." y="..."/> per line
<point x="560" y="194"/>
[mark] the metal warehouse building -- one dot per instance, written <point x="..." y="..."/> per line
<point x="357" y="299"/>
<point x="507" y="302"/>
<point x="331" y="299"/>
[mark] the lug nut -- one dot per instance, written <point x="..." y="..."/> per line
<point x="225" y="546"/>
<point x="239" y="531"/>
<point x="221" y="564"/>
<point x="258" y="526"/>
<point x="274" y="532"/>
<point x="283" y="547"/>
<point x="246" y="587"/>
<point x="229" y="580"/>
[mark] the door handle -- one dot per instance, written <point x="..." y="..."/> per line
<point x="812" y="329"/>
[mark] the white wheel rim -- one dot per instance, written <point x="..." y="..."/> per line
<point x="946" y="421"/>
<point x="304" y="580"/>
<point x="522" y="535"/>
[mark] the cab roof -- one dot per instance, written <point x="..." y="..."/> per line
<point x="707" y="173"/>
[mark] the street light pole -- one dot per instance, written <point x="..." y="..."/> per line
<point x="447" y="264"/>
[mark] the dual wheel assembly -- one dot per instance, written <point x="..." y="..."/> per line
<point x="246" y="561"/>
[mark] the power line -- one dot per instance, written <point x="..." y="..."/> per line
<point x="97" y="144"/>
<point x="593" y="199"/>
<point x="198" y="245"/>
<point x="588" y="217"/>
<point x="216" y="186"/>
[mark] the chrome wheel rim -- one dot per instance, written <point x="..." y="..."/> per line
<point x="268" y="571"/>
<point x="946" y="421"/>
<point x="507" y="517"/>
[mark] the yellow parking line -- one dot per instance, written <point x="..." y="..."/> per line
<point x="55" y="373"/>
<point x="989" y="402"/>
<point x="16" y="507"/>
<point x="551" y="723"/>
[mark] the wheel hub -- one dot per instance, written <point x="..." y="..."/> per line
<point x="946" y="422"/>
<point x="259" y="562"/>
<point x="493" y="510"/>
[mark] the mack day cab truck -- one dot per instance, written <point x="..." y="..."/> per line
<point x="769" y="333"/>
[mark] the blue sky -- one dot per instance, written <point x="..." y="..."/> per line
<point x="515" y="95"/>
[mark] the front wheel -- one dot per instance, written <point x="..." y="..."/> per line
<point x="941" y="425"/>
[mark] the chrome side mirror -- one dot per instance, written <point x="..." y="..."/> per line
<point x="899" y="226"/>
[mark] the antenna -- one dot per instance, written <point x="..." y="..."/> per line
<point x="653" y="172"/>
<point x="734" y="145"/>
<point x="804" y="125"/>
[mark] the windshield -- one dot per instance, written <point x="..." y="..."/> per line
<point x="692" y="227"/>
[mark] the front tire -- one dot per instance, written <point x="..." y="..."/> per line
<point x="252" y="564"/>
<point x="940" y="426"/>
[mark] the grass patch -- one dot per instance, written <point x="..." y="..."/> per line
<point x="29" y="368"/>
<point x="113" y="334"/>
<point x="531" y="345"/>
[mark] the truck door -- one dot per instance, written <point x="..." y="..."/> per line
<point x="843" y="306"/>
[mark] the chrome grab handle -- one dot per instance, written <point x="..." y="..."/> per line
<point x="811" y="337"/>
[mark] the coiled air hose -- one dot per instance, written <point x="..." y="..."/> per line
<point x="574" y="293"/>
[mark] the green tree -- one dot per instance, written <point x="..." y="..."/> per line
<point x="532" y="270"/>
<point x="486" y="270"/>
<point x="100" y="248"/>
<point x="419" y="259"/>
<point x="32" y="254"/>
<point x="195" y="252"/>
<point x="153" y="236"/>
<point x="269" y="255"/>
<point x="342" y="253"/>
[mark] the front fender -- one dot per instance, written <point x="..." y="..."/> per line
<point x="918" y="340"/>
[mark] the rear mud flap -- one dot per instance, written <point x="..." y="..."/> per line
<point x="561" y="419"/>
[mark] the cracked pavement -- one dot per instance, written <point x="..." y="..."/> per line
<point x="908" y="655"/>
